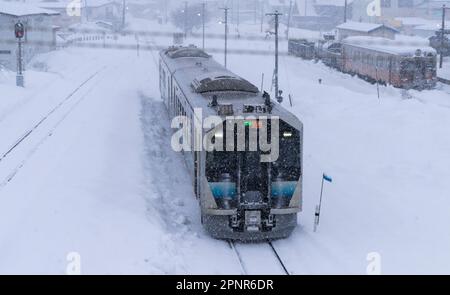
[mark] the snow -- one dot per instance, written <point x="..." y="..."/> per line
<point x="62" y="4"/>
<point x="99" y="177"/>
<point x="359" y="26"/>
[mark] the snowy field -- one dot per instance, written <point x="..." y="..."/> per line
<point x="98" y="177"/>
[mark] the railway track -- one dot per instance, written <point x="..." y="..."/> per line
<point x="39" y="132"/>
<point x="258" y="259"/>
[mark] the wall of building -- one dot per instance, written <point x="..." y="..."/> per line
<point x="381" y="32"/>
<point x="39" y="38"/>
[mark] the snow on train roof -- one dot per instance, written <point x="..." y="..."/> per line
<point x="191" y="51"/>
<point x="187" y="71"/>
<point x="398" y="47"/>
<point x="222" y="81"/>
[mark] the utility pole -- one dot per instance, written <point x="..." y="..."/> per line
<point x="225" y="9"/>
<point x="256" y="12"/>
<point x="238" y="15"/>
<point x="185" y="18"/>
<point x="203" y="21"/>
<point x="345" y="11"/>
<point x="87" y="11"/>
<point x="262" y="15"/>
<point x="289" y="18"/>
<point x="166" y="12"/>
<point x="278" y="93"/>
<point x="441" y="61"/>
<point x="124" y="12"/>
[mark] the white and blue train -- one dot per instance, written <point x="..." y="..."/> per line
<point x="241" y="196"/>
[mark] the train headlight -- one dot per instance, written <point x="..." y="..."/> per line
<point x="287" y="134"/>
<point x="282" y="192"/>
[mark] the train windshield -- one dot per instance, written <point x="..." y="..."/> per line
<point x="241" y="177"/>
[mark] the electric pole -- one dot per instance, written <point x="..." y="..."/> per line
<point x="238" y="15"/>
<point x="124" y="11"/>
<point x="289" y="18"/>
<point x="203" y="20"/>
<point x="256" y="12"/>
<point x="185" y="18"/>
<point x="262" y="15"/>
<point x="225" y="9"/>
<point x="278" y="93"/>
<point x="345" y="11"/>
<point x="441" y="60"/>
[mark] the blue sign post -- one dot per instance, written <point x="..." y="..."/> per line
<point x="327" y="178"/>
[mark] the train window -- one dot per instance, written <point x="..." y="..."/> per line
<point x="288" y="164"/>
<point x="380" y="62"/>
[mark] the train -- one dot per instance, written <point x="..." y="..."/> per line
<point x="246" y="191"/>
<point x="378" y="60"/>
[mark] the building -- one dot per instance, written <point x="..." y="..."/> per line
<point x="40" y="32"/>
<point x="352" y="28"/>
<point x="432" y="9"/>
<point x="285" y="7"/>
<point x="88" y="10"/>
<point x="390" y="9"/>
<point x="321" y="14"/>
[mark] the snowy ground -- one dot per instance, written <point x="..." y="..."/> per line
<point x="99" y="178"/>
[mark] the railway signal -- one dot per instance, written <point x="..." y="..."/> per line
<point x="319" y="207"/>
<point x="19" y="32"/>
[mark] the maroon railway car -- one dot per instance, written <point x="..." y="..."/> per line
<point x="403" y="65"/>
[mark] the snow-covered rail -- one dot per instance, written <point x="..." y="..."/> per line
<point x="38" y="133"/>
<point x="257" y="259"/>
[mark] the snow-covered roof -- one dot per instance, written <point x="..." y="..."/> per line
<point x="400" y="47"/>
<point x="434" y="4"/>
<point x="22" y="9"/>
<point x="362" y="27"/>
<point x="62" y="4"/>
<point x="332" y="2"/>
<point x="414" y="21"/>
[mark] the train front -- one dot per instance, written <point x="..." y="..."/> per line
<point x="254" y="176"/>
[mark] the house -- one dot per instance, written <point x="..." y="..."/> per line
<point x="352" y="28"/>
<point x="432" y="9"/>
<point x="87" y="10"/>
<point x="321" y="14"/>
<point x="335" y="9"/>
<point x="390" y="9"/>
<point x="40" y="33"/>
<point x="400" y="8"/>
<point x="285" y="7"/>
<point x="418" y="26"/>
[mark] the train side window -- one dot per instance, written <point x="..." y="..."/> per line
<point x="380" y="62"/>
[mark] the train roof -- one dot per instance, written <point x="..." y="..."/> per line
<point x="396" y="47"/>
<point x="200" y="77"/>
